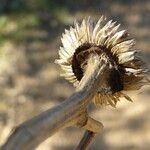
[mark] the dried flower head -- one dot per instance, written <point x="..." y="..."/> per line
<point x="127" y="71"/>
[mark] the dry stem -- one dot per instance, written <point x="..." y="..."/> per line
<point x="86" y="140"/>
<point x="71" y="112"/>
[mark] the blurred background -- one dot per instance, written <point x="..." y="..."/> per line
<point x="30" y="32"/>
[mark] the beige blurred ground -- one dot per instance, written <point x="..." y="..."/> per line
<point x="30" y="82"/>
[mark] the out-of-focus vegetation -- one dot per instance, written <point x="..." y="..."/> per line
<point x="30" y="33"/>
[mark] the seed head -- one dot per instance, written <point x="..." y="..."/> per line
<point x="127" y="70"/>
